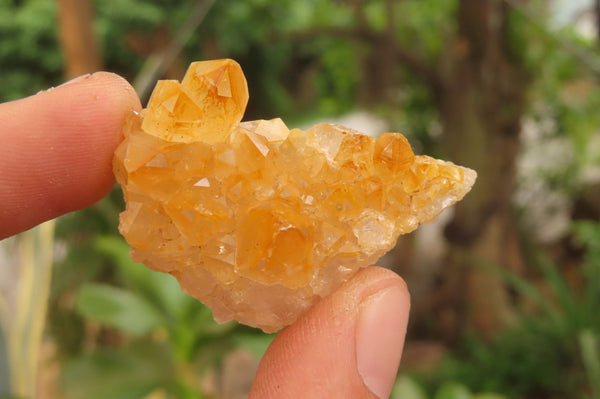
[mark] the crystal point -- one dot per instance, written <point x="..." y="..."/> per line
<point x="258" y="221"/>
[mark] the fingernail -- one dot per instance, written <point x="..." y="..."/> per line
<point x="74" y="80"/>
<point x="380" y="332"/>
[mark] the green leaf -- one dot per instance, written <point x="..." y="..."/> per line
<point x="130" y="372"/>
<point x="531" y="292"/>
<point x="161" y="289"/>
<point x="255" y="343"/>
<point x="561" y="289"/>
<point x="407" y="388"/>
<point x="453" y="390"/>
<point x="116" y="307"/>
<point x="489" y="395"/>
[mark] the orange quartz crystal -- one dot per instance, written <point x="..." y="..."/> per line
<point x="258" y="221"/>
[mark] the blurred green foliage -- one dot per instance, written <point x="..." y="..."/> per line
<point x="4" y="368"/>
<point x="172" y="338"/>
<point x="30" y="58"/>
<point x="123" y="331"/>
<point x="552" y="350"/>
<point x="408" y="388"/>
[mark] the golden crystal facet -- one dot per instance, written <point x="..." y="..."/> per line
<point x="258" y="221"/>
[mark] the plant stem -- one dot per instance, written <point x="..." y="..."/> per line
<point x="34" y="260"/>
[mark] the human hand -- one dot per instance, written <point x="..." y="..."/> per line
<point x="347" y="346"/>
<point x="56" y="157"/>
<point x="56" y="149"/>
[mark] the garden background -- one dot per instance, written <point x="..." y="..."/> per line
<point x="505" y="286"/>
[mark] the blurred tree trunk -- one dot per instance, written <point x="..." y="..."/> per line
<point x="481" y="99"/>
<point x="597" y="12"/>
<point x="77" y="38"/>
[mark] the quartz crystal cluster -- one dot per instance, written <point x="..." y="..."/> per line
<point x="256" y="220"/>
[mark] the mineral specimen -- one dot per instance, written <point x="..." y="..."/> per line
<point x="258" y="221"/>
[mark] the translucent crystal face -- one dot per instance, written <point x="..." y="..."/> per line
<point x="258" y="221"/>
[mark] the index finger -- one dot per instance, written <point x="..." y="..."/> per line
<point x="57" y="149"/>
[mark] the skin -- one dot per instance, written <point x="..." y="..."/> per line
<point x="56" y="157"/>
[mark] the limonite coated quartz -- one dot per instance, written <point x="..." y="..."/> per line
<point x="256" y="220"/>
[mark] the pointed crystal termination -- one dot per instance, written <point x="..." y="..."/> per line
<point x="258" y="221"/>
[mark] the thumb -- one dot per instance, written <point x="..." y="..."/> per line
<point x="348" y="346"/>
